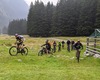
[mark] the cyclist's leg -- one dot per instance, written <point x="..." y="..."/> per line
<point x="17" y="46"/>
<point x="58" y="48"/>
<point x="44" y="50"/>
<point x="63" y="46"/>
<point x="22" y="48"/>
<point x="78" y="55"/>
<point x="47" y="49"/>
<point x="68" y="48"/>
<point x="21" y="45"/>
<point x="71" y="47"/>
<point x="55" y="49"/>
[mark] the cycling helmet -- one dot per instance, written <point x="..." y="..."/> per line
<point x="16" y="34"/>
<point x="78" y="41"/>
<point x="47" y="41"/>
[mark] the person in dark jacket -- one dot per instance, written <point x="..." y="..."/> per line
<point x="48" y="46"/>
<point x="72" y="45"/>
<point x="78" y="45"/>
<point x="63" y="44"/>
<point x="59" y="46"/>
<point x="54" y="46"/>
<point x="68" y="45"/>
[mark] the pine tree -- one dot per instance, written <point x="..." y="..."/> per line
<point x="97" y="23"/>
<point x="30" y="19"/>
<point x="87" y="17"/>
<point x="49" y="17"/>
<point x="17" y="26"/>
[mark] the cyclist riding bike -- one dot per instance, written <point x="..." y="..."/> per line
<point x="48" y="46"/>
<point x="19" y="47"/>
<point x="78" y="46"/>
<point x="19" y="41"/>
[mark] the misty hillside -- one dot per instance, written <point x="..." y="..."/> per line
<point x="12" y="9"/>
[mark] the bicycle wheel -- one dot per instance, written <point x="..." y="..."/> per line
<point x="40" y="53"/>
<point x="13" y="51"/>
<point x="25" y="51"/>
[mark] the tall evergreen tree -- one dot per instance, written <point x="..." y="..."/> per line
<point x="49" y="17"/>
<point x="67" y="18"/>
<point x="38" y="20"/>
<point x="17" y="26"/>
<point x="97" y="23"/>
<point x="87" y="17"/>
<point x="30" y="20"/>
<point x="58" y="18"/>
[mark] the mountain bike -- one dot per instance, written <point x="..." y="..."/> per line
<point x="13" y="51"/>
<point x="43" y="50"/>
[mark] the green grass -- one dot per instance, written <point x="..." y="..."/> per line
<point x="60" y="66"/>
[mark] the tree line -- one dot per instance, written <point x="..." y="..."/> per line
<point x="17" y="26"/>
<point x="66" y="18"/>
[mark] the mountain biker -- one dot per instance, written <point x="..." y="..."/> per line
<point x="59" y="46"/>
<point x="68" y="45"/>
<point x="19" y="40"/>
<point x="63" y="42"/>
<point x="54" y="46"/>
<point x="72" y="45"/>
<point x="48" y="46"/>
<point x="78" y="45"/>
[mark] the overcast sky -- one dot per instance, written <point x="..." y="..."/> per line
<point x="45" y="1"/>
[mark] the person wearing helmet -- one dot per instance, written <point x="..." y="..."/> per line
<point x="68" y="45"/>
<point x="59" y="46"/>
<point x="72" y="44"/>
<point x="54" y="46"/>
<point x="63" y="44"/>
<point x="78" y="46"/>
<point x="48" y="46"/>
<point x="19" y="40"/>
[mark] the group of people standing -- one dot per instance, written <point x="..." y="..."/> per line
<point x="71" y="45"/>
<point x="61" y="45"/>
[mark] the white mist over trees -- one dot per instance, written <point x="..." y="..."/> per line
<point x="12" y="9"/>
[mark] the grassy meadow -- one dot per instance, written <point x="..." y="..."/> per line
<point x="59" y="66"/>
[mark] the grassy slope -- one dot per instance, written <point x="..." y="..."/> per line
<point x="60" y="66"/>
